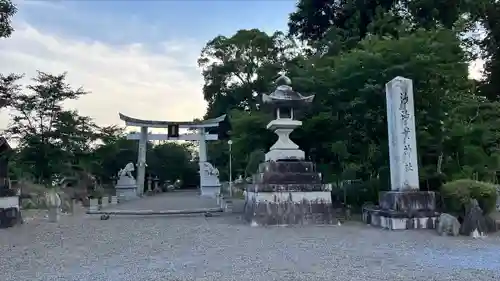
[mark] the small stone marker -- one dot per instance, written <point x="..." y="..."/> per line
<point x="228" y="206"/>
<point x="105" y="202"/>
<point x="114" y="200"/>
<point x="53" y="201"/>
<point x="94" y="205"/>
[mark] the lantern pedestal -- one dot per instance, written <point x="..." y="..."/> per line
<point x="284" y="148"/>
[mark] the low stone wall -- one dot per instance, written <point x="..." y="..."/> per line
<point x="99" y="204"/>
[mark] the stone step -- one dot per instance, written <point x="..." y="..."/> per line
<point x="287" y="178"/>
<point x="287" y="167"/>
<point x="266" y="187"/>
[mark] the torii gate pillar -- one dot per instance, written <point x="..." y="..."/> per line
<point x="202" y="156"/>
<point x="141" y="160"/>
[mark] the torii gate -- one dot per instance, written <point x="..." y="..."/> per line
<point x="206" y="187"/>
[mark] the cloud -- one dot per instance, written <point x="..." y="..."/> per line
<point x="159" y="81"/>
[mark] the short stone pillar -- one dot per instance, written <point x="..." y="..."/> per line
<point x="150" y="185"/>
<point x="93" y="205"/>
<point x="156" y="184"/>
<point x="104" y="201"/>
<point x="405" y="206"/>
<point x="53" y="201"/>
<point x="114" y="200"/>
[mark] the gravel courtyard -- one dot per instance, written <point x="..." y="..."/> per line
<point x="82" y="248"/>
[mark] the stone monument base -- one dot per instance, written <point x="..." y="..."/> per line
<point x="292" y="154"/>
<point x="126" y="192"/>
<point x="400" y="210"/>
<point x="288" y="208"/>
<point x="210" y="191"/>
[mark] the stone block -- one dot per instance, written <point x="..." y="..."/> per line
<point x="210" y="191"/>
<point x="93" y="205"/>
<point x="303" y="187"/>
<point x="126" y="192"/>
<point x="397" y="220"/>
<point x="287" y="167"/>
<point x="288" y="208"/>
<point x="287" y="178"/>
<point x="407" y="201"/>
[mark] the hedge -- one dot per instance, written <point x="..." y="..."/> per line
<point x="457" y="194"/>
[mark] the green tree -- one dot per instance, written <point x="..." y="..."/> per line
<point x="353" y="91"/>
<point x="7" y="11"/>
<point x="237" y="68"/>
<point x="172" y="161"/>
<point x="254" y="159"/>
<point x="44" y="130"/>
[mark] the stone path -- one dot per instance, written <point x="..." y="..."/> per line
<point x="85" y="248"/>
<point x="177" y="200"/>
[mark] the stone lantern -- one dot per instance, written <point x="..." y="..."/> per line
<point x="285" y="102"/>
<point x="286" y="189"/>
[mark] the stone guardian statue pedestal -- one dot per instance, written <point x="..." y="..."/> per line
<point x="210" y="177"/>
<point x="126" y="186"/>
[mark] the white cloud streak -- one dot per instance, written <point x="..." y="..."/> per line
<point x="129" y="78"/>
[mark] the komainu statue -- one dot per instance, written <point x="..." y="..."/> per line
<point x="210" y="170"/>
<point x="127" y="171"/>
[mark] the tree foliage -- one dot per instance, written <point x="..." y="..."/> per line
<point x="233" y="68"/>
<point x="54" y="142"/>
<point x="352" y="48"/>
<point x="7" y="10"/>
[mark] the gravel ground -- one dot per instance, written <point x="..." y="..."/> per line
<point x="85" y="248"/>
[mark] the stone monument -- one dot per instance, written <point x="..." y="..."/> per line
<point x="405" y="206"/>
<point x="210" y="176"/>
<point x="287" y="189"/>
<point x="126" y="186"/>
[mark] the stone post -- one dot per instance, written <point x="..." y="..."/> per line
<point x="114" y="200"/>
<point x="405" y="206"/>
<point x="156" y="182"/>
<point x="54" y="205"/>
<point x="104" y="201"/>
<point x="202" y="157"/>
<point x="93" y="205"/>
<point x="150" y="186"/>
<point x="401" y="133"/>
<point x="141" y="161"/>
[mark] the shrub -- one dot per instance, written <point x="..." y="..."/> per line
<point x="457" y="194"/>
